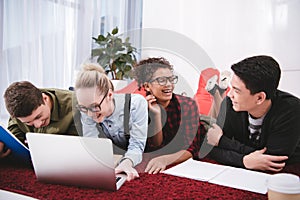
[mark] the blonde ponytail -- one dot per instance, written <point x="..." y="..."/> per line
<point x="92" y="75"/>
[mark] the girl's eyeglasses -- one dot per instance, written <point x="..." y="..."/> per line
<point x="93" y="108"/>
<point x="164" y="79"/>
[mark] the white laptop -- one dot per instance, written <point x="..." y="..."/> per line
<point x="74" y="160"/>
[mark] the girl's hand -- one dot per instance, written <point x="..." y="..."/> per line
<point x="126" y="166"/>
<point x="152" y="104"/>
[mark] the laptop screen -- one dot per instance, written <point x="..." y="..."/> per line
<point x="73" y="160"/>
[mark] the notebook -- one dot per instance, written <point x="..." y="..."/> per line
<point x="74" y="160"/>
<point x="238" y="178"/>
<point x="18" y="149"/>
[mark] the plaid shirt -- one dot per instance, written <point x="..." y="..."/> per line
<point x="182" y="128"/>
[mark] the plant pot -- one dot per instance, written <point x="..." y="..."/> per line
<point x="119" y="84"/>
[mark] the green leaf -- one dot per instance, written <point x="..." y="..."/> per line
<point x="128" y="58"/>
<point x="127" y="68"/>
<point x="97" y="52"/>
<point x="119" y="41"/>
<point x="103" y="61"/>
<point x="101" y="38"/>
<point x="119" y="75"/>
<point x="115" y="31"/>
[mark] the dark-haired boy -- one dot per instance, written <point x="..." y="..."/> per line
<point x="260" y="123"/>
<point x="37" y="110"/>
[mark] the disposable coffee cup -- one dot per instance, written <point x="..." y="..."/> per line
<point x="284" y="186"/>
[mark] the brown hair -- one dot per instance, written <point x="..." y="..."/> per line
<point x="22" y="98"/>
<point x="144" y="70"/>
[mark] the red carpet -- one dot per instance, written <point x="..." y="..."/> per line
<point x="22" y="180"/>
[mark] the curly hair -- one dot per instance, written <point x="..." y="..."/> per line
<point x="259" y="73"/>
<point x="144" y="70"/>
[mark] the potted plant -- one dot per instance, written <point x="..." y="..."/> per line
<point x="115" y="55"/>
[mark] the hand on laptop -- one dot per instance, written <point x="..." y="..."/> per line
<point x="126" y="166"/>
<point x="3" y="151"/>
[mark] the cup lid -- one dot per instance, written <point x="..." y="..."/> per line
<point x="284" y="183"/>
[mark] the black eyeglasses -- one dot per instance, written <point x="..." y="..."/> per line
<point x="93" y="108"/>
<point x="164" y="79"/>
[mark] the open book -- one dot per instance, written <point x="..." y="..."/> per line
<point x="19" y="150"/>
<point x="222" y="175"/>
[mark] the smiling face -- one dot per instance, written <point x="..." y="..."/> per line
<point x="163" y="93"/>
<point x="41" y="116"/>
<point x="241" y="97"/>
<point x="96" y="105"/>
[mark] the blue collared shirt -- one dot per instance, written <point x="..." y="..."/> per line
<point x="113" y="126"/>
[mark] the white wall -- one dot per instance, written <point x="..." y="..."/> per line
<point x="229" y="31"/>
